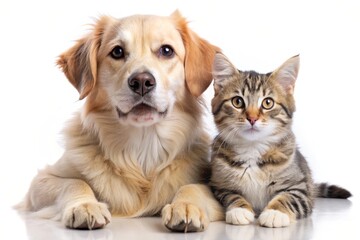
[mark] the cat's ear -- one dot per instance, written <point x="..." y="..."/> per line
<point x="222" y="70"/>
<point x="287" y="73"/>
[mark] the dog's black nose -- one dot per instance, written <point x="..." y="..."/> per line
<point x="142" y="83"/>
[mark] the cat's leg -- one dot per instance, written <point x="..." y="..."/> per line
<point x="239" y="216"/>
<point x="277" y="213"/>
<point x="192" y="209"/>
<point x="286" y="208"/>
<point x="295" y="197"/>
<point x="238" y="210"/>
<point x="70" y="200"/>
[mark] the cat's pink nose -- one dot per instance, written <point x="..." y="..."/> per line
<point x="252" y="120"/>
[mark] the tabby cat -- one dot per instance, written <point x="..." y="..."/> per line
<point x="257" y="170"/>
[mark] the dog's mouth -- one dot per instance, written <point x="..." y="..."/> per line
<point x="141" y="114"/>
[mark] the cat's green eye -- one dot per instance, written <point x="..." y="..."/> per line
<point x="267" y="103"/>
<point x="238" y="102"/>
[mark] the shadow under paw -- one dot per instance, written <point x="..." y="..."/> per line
<point x="185" y="227"/>
<point x="184" y="217"/>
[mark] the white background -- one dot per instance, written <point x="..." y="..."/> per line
<point x="36" y="98"/>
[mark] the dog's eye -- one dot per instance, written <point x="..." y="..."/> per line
<point x="117" y="53"/>
<point x="166" y="51"/>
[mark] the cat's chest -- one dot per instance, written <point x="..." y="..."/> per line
<point x="251" y="153"/>
<point x="253" y="179"/>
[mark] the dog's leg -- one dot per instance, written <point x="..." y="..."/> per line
<point x="72" y="198"/>
<point x="192" y="209"/>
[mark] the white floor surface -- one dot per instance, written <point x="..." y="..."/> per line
<point x="332" y="219"/>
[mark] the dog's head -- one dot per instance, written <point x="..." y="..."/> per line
<point x="139" y="66"/>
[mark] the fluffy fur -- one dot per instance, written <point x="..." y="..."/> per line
<point x="139" y="143"/>
<point x="257" y="169"/>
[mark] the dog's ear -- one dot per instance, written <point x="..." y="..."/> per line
<point x="199" y="57"/>
<point x="79" y="63"/>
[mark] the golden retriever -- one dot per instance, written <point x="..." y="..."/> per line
<point x="138" y="147"/>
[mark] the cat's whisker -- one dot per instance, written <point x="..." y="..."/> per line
<point x="244" y="172"/>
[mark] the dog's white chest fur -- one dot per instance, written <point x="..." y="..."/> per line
<point x="146" y="148"/>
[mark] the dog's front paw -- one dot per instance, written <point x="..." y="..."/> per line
<point x="274" y="218"/>
<point x="86" y="215"/>
<point x="239" y="216"/>
<point x="184" y="217"/>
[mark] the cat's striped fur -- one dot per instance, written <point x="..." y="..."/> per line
<point x="257" y="169"/>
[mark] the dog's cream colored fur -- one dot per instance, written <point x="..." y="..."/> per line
<point x="126" y="163"/>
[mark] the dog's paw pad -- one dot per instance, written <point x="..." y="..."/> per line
<point x="274" y="218"/>
<point x="184" y="217"/>
<point x="239" y="216"/>
<point x="88" y="215"/>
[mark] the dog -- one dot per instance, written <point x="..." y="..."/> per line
<point x="138" y="146"/>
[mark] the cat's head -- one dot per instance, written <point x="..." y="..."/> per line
<point x="251" y="105"/>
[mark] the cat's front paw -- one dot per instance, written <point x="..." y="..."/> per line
<point x="184" y="217"/>
<point x="239" y="216"/>
<point x="86" y="215"/>
<point x="274" y="219"/>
